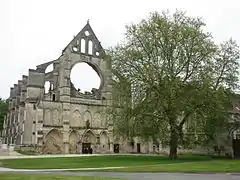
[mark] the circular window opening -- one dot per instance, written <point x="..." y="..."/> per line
<point x="87" y="33"/>
<point x="84" y="77"/>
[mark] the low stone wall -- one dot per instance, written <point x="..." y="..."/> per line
<point x="29" y="148"/>
<point x="3" y="147"/>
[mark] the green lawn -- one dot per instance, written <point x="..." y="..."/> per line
<point x="218" y="166"/>
<point x="95" y="161"/>
<point x="48" y="177"/>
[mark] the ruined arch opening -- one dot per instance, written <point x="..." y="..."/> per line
<point x="84" y="78"/>
<point x="49" y="68"/>
<point x="104" y="141"/>
<point x="53" y="142"/>
<point x="48" y="86"/>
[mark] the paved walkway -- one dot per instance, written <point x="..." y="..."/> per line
<point x="2" y="169"/>
<point x="70" y="155"/>
<point x="141" y="176"/>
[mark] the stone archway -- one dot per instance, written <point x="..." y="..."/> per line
<point x="88" y="141"/>
<point x="73" y="142"/>
<point x="89" y="137"/>
<point x="53" y="142"/>
<point x="104" y="142"/>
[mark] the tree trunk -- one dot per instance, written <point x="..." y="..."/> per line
<point x="173" y="144"/>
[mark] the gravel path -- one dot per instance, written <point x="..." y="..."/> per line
<point x="140" y="176"/>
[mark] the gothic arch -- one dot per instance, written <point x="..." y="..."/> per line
<point x="87" y="117"/>
<point x="104" y="139"/>
<point x="76" y="119"/>
<point x="97" y="118"/>
<point x="53" y="142"/>
<point x="236" y="134"/>
<point x="89" y="137"/>
<point x="73" y="139"/>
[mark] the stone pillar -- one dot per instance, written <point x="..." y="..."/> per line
<point x="79" y="148"/>
<point x="111" y="147"/>
<point x="66" y="147"/>
<point x="64" y="87"/>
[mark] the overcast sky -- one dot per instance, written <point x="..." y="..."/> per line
<point x="36" y="31"/>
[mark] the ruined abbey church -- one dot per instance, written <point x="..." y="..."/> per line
<point x="64" y="119"/>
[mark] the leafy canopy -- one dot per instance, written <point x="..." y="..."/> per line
<point x="176" y="73"/>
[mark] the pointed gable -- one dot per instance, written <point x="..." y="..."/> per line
<point x="86" y="43"/>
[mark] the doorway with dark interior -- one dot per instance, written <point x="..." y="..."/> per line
<point x="116" y="148"/>
<point x="138" y="148"/>
<point x="86" y="148"/>
<point x="236" y="148"/>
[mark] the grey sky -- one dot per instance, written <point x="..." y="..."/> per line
<point x="36" y="31"/>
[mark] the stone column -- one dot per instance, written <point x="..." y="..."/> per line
<point x="111" y="147"/>
<point x="66" y="147"/>
<point x="79" y="148"/>
<point x="64" y="87"/>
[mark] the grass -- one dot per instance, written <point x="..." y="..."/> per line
<point x="48" y="177"/>
<point x="214" y="166"/>
<point x="95" y="161"/>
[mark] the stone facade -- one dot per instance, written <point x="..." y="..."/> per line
<point x="63" y="119"/>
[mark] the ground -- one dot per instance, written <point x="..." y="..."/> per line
<point x="95" y="161"/>
<point x="133" y="167"/>
<point x="214" y="166"/>
<point x="48" y="177"/>
<point x="133" y="176"/>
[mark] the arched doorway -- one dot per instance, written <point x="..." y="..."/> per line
<point x="73" y="142"/>
<point x="236" y="144"/>
<point x="104" y="142"/>
<point x="88" y="141"/>
<point x="53" y="142"/>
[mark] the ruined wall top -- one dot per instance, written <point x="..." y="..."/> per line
<point x="85" y="47"/>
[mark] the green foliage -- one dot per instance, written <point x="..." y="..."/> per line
<point x="3" y="112"/>
<point x="176" y="74"/>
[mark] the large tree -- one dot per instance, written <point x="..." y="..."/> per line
<point x="176" y="73"/>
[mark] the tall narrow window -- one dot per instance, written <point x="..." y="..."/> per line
<point x="53" y="97"/>
<point x="47" y="87"/>
<point x="83" y="49"/>
<point x="90" y="47"/>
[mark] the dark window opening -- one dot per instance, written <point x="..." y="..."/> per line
<point x="138" y="148"/>
<point x="53" y="97"/>
<point x="132" y="145"/>
<point x="98" y="140"/>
